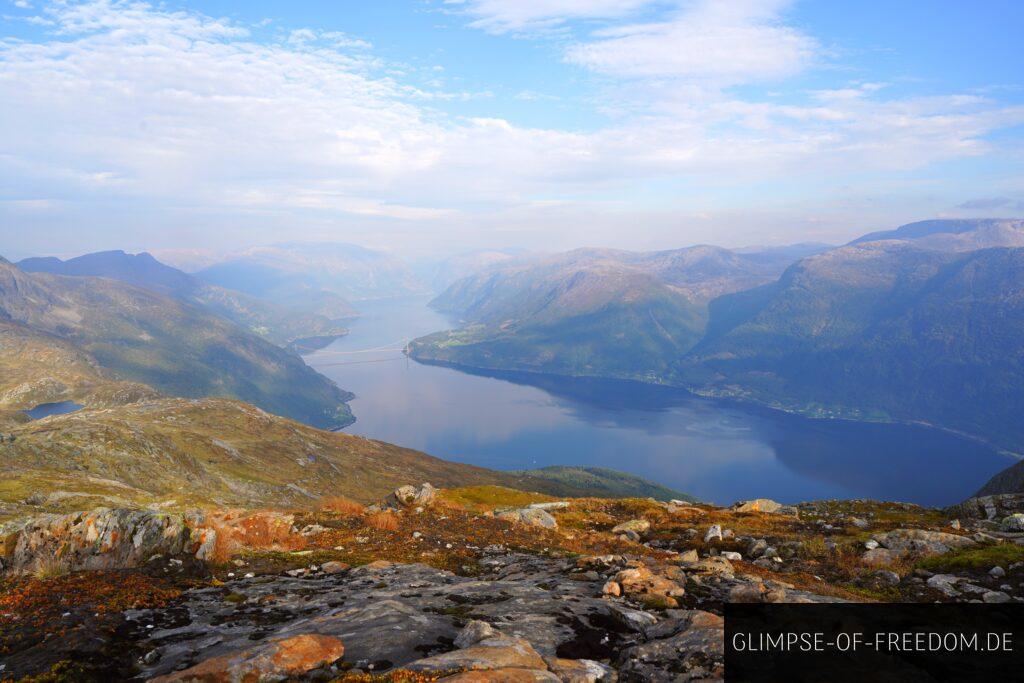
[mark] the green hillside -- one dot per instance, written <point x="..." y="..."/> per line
<point x="177" y="348"/>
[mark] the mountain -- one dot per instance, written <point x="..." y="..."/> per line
<point x="598" y="312"/>
<point x="186" y="453"/>
<point x="178" y="348"/>
<point x="441" y="274"/>
<point x="317" y="277"/>
<point x="956" y="234"/>
<point x="282" y="325"/>
<point x="879" y="329"/>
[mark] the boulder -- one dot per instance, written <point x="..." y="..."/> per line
<point x="945" y="583"/>
<point x="274" y="660"/>
<point x="530" y="517"/>
<point x="765" y="505"/>
<point x="1014" y="522"/>
<point x="881" y="557"/>
<point x="102" y="539"/>
<point x="641" y="580"/>
<point x="714" y="533"/>
<point x="923" y="541"/>
<point x="637" y="526"/>
<point x="334" y="567"/>
<point x="732" y="555"/>
<point x="409" y="496"/>
<point x="688" y="556"/>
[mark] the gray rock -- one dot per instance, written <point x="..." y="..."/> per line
<point x="945" y="583"/>
<point x="923" y="541"/>
<point x="871" y="544"/>
<point x="995" y="597"/>
<point x="714" y="533"/>
<point x="473" y="632"/>
<point x="530" y="517"/>
<point x="997" y="572"/>
<point x="1014" y="522"/>
<point x="887" y="577"/>
<point x="637" y="526"/>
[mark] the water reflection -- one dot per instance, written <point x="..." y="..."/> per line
<point x="714" y="450"/>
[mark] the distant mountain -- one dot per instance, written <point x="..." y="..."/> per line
<point x="178" y="348"/>
<point x="315" y="276"/>
<point x="956" y="234"/>
<point x="282" y="325"/>
<point x="879" y="329"/>
<point x="913" y="324"/>
<point x="597" y="312"/>
<point x="439" y="274"/>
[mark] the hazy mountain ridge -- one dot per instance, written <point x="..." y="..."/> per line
<point x="315" y="276"/>
<point x="904" y="324"/>
<point x="178" y="348"/>
<point x="879" y="330"/>
<point x="599" y="312"/>
<point x="282" y="325"/>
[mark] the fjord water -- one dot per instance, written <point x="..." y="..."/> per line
<point x="717" y="451"/>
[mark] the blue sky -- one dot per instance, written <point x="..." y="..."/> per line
<point x="431" y="125"/>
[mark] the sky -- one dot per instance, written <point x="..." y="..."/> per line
<point x="429" y="126"/>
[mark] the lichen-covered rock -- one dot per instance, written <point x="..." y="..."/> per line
<point x="99" y="539"/>
<point x="275" y="660"/>
<point x="923" y="541"/>
<point x="1014" y="522"/>
<point x="988" y="507"/>
<point x="107" y="538"/>
<point x="530" y="517"/>
<point x="637" y="526"/>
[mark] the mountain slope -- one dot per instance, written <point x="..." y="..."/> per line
<point x="879" y="329"/>
<point x="186" y="453"/>
<point x="177" y="348"/>
<point x="317" y="276"/>
<point x="597" y="312"/>
<point x="967" y="234"/>
<point x="282" y="325"/>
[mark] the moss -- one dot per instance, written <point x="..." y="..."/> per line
<point x="490" y="496"/>
<point x="981" y="559"/>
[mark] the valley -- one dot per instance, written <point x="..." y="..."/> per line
<point x="716" y="450"/>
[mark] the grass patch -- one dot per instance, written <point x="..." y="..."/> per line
<point x="490" y="496"/>
<point x="983" y="559"/>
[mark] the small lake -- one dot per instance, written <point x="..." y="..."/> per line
<point x="719" y="452"/>
<point x="47" y="409"/>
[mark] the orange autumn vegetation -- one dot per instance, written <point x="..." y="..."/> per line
<point x="342" y="505"/>
<point x="383" y="521"/>
<point x="258" y="530"/>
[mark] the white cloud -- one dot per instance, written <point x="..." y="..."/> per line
<point x="721" y="42"/>
<point x="187" y="115"/>
<point x="505" y="16"/>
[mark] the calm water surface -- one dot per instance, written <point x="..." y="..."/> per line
<point x="47" y="409"/>
<point x="716" y="451"/>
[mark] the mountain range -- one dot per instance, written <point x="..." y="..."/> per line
<point x="319" y="277"/>
<point x="284" y="325"/>
<point x="923" y="323"/>
<point x="178" y="348"/>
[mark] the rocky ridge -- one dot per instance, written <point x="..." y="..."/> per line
<point x="442" y="584"/>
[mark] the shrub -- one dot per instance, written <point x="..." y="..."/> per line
<point x="346" y="507"/>
<point x="383" y="521"/>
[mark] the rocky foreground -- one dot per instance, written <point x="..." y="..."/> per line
<point x="479" y="584"/>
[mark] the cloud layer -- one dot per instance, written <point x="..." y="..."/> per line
<point x="124" y="103"/>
